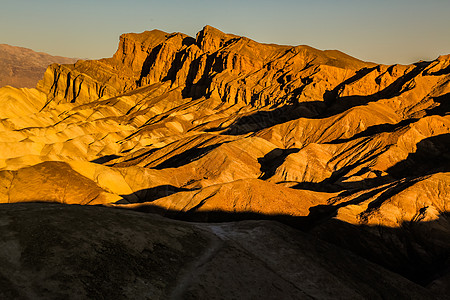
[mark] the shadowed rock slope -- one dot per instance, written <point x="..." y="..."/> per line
<point x="133" y="255"/>
<point x="220" y="127"/>
<point x="22" y="67"/>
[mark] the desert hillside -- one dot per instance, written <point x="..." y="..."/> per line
<point x="219" y="128"/>
<point x="21" y="67"/>
<point x="127" y="255"/>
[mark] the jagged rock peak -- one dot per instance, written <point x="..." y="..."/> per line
<point x="132" y="44"/>
<point x="208" y="65"/>
<point x="210" y="39"/>
<point x="143" y="36"/>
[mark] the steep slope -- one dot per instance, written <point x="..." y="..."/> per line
<point x="22" y="67"/>
<point x="220" y="127"/>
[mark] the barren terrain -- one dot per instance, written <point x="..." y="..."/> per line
<point x="350" y="155"/>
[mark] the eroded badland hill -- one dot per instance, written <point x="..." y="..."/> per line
<point x="353" y="155"/>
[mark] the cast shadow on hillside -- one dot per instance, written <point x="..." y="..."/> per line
<point x="152" y="194"/>
<point x="432" y="156"/>
<point x="148" y="63"/>
<point x="338" y="104"/>
<point x="186" y="157"/>
<point x="441" y="72"/>
<point x="409" y="250"/>
<point x="152" y="57"/>
<point x="200" y="87"/>
<point x="105" y="159"/>
<point x="332" y="104"/>
<point x="292" y="110"/>
<point x="267" y="118"/>
<point x="441" y="108"/>
<point x="178" y="61"/>
<point x="376" y="129"/>
<point x="272" y="160"/>
<point x="398" y="249"/>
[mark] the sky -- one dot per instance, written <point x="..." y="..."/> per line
<point x="381" y="31"/>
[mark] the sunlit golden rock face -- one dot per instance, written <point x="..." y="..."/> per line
<point x="221" y="127"/>
<point x="235" y="69"/>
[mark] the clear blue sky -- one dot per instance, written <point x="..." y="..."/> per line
<point x="384" y="31"/>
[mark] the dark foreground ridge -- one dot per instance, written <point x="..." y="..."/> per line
<point x="59" y="251"/>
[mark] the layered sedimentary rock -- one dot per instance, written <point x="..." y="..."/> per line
<point x="220" y="127"/>
<point x="235" y="69"/>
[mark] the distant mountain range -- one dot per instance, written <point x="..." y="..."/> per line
<point x="22" y="67"/>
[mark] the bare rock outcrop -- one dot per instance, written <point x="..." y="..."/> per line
<point x="226" y="66"/>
